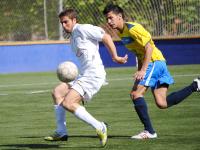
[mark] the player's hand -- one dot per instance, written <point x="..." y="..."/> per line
<point x="139" y="75"/>
<point x="121" y="60"/>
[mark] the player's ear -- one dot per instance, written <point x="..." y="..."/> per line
<point x="120" y="16"/>
<point x="74" y="20"/>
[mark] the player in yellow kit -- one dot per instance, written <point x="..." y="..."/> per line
<point x="152" y="70"/>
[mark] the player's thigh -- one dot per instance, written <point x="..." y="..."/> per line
<point x="72" y="100"/>
<point x="160" y="96"/>
<point x="59" y="92"/>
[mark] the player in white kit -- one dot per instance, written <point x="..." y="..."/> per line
<point x="84" y="41"/>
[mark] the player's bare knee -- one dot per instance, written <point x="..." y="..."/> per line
<point x="57" y="92"/>
<point x="161" y="105"/>
<point x="134" y="95"/>
<point x="54" y="93"/>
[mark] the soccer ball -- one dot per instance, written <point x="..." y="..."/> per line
<point x="67" y="71"/>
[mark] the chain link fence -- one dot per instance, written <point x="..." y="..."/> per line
<point x="35" y="20"/>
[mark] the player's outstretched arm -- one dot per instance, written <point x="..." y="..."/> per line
<point x="108" y="42"/>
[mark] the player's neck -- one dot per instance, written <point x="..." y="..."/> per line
<point x="121" y="27"/>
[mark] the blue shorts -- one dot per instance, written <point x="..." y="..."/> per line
<point x="157" y="74"/>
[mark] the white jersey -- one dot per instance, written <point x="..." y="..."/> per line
<point x="85" y="43"/>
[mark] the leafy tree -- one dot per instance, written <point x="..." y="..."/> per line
<point x="23" y="20"/>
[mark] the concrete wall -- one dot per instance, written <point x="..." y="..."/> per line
<point x="46" y="57"/>
<point x="34" y="58"/>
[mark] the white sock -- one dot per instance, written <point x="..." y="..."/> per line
<point x="60" y="113"/>
<point x="82" y="114"/>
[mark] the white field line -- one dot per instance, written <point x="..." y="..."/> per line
<point x="45" y="91"/>
<point x="28" y="84"/>
<point x="116" y="79"/>
<point x="38" y="92"/>
<point x="174" y="76"/>
<point x="26" y="92"/>
<point x="3" y="94"/>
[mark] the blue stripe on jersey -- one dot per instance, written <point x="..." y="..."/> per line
<point x="129" y="26"/>
<point x="127" y="40"/>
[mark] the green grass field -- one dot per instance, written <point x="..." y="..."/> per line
<point x="27" y="115"/>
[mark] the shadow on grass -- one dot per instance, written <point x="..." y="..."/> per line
<point x="85" y="136"/>
<point x="57" y="145"/>
<point x="32" y="146"/>
<point x="43" y="146"/>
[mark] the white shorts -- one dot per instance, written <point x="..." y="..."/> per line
<point x="87" y="86"/>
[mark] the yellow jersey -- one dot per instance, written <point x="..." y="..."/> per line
<point x="135" y="37"/>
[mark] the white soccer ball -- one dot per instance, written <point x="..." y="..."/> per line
<point x="67" y="71"/>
